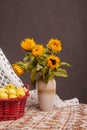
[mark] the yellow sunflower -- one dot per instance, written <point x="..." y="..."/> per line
<point x="38" y="50"/>
<point x="53" y="62"/>
<point x="18" y="70"/>
<point x="28" y="44"/>
<point x="55" y="45"/>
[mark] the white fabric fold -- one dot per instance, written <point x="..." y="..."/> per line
<point x="7" y="74"/>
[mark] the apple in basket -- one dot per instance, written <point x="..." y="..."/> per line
<point x="20" y="91"/>
<point x="3" y="94"/>
<point x="10" y="91"/>
<point x="10" y="86"/>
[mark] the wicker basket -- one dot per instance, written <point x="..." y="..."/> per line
<point x="12" y="109"/>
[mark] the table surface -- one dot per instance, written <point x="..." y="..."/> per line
<point x="64" y="118"/>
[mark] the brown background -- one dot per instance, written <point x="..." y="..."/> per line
<point x="45" y="19"/>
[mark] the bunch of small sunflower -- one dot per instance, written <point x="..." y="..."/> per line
<point x="41" y="62"/>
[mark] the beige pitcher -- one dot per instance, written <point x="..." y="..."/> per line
<point x="46" y="94"/>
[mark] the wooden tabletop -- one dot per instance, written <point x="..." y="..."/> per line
<point x="64" y="118"/>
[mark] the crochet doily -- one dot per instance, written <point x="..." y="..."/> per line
<point x="33" y="100"/>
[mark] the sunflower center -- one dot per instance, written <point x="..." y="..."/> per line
<point x="53" y="61"/>
<point x="55" y="44"/>
<point x="36" y="49"/>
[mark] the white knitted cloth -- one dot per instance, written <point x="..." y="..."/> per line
<point x="7" y="74"/>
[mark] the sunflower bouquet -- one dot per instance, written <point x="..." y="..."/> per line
<point x="41" y="62"/>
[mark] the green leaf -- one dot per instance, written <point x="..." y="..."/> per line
<point x="39" y="67"/>
<point x="65" y="64"/>
<point x="42" y="61"/>
<point x="61" y="72"/>
<point x="31" y="66"/>
<point x="49" y="75"/>
<point x="33" y="74"/>
<point x="44" y="71"/>
<point x="32" y="57"/>
<point x="25" y="58"/>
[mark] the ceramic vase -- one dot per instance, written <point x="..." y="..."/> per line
<point x="46" y="94"/>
